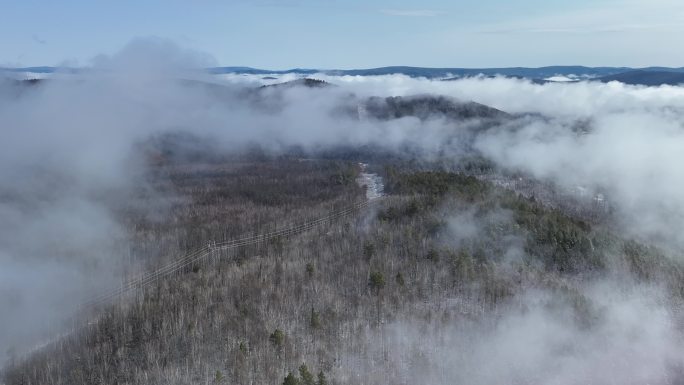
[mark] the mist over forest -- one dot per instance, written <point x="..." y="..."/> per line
<point x="393" y="229"/>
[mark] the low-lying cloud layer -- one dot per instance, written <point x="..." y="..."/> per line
<point x="618" y="336"/>
<point x="68" y="158"/>
<point x="624" y="140"/>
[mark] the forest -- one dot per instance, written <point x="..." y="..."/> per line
<point x="396" y="292"/>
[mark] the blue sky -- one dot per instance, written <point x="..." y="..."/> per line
<point x="352" y="33"/>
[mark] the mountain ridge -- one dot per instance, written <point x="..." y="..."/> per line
<point x="434" y="72"/>
<point x="646" y="76"/>
<point x="407" y="70"/>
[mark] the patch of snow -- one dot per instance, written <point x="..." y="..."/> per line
<point x="372" y="182"/>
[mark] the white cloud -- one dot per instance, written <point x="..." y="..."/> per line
<point x="87" y="126"/>
<point x="627" y="337"/>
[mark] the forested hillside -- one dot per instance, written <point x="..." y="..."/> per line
<point x="396" y="294"/>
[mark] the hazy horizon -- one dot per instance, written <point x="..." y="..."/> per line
<point x="302" y="67"/>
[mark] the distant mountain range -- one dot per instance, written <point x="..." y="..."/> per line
<point x="40" y="70"/>
<point x="643" y="76"/>
<point x="647" y="78"/>
<point x="650" y="76"/>
<point x="531" y="73"/>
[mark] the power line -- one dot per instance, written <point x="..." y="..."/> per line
<point x="197" y="255"/>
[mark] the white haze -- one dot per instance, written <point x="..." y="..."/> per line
<point x="632" y="148"/>
<point x="67" y="158"/>
<point x="627" y="336"/>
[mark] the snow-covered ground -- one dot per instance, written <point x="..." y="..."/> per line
<point x="372" y="182"/>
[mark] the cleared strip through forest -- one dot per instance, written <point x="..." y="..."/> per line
<point x="193" y="257"/>
<point x="202" y="253"/>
